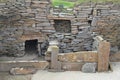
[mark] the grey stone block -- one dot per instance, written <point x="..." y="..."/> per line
<point x="89" y="67"/>
<point x="114" y="49"/>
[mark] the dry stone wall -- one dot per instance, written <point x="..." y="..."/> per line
<point x="22" y="20"/>
<point x="81" y="37"/>
<point x="106" y="22"/>
<point x="19" y="18"/>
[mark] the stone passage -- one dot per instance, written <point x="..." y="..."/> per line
<point x="63" y="26"/>
<point x="31" y="46"/>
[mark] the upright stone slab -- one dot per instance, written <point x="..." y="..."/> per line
<point x="54" y="57"/>
<point x="103" y="56"/>
<point x="39" y="49"/>
<point x="55" y="64"/>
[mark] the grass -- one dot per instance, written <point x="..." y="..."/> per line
<point x="63" y="2"/>
<point x="3" y="1"/>
<point x="69" y="4"/>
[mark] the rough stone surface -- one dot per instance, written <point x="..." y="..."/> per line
<point x="22" y="71"/>
<point x="19" y="18"/>
<point x="89" y="67"/>
<point x="28" y="17"/>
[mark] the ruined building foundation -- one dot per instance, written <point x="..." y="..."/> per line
<point x="27" y="27"/>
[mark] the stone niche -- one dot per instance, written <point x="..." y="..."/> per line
<point x="62" y="26"/>
<point x="32" y="42"/>
<point x="31" y="46"/>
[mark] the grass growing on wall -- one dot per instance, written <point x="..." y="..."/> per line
<point x="70" y="4"/>
<point x="63" y="2"/>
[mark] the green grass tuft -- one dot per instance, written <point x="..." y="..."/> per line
<point x="63" y="2"/>
<point x="70" y="4"/>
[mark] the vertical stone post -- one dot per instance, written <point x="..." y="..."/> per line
<point x="55" y="65"/>
<point x="54" y="57"/>
<point x="39" y="49"/>
<point x="103" y="56"/>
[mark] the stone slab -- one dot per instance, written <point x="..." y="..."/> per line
<point x="89" y="67"/>
<point x="8" y="65"/>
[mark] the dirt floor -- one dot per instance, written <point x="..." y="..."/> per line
<point x="44" y="75"/>
<point x="68" y="75"/>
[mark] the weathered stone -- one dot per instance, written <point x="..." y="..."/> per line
<point x="89" y="67"/>
<point x="72" y="66"/>
<point x="68" y="50"/>
<point x="114" y="49"/>
<point x="22" y="71"/>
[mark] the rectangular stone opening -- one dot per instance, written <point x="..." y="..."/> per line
<point x="62" y="26"/>
<point x="31" y="46"/>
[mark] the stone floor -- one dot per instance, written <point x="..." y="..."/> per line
<point x="68" y="75"/>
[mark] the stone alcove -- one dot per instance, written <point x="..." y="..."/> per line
<point x="31" y="46"/>
<point x="32" y="43"/>
<point x="62" y="26"/>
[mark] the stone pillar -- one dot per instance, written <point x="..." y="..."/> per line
<point x="54" y="57"/>
<point x="39" y="49"/>
<point x="55" y="64"/>
<point x="103" y="56"/>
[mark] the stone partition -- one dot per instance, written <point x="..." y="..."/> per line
<point x="86" y="61"/>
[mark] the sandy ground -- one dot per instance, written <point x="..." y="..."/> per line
<point x="68" y="75"/>
<point x="45" y="75"/>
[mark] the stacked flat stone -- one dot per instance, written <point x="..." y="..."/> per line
<point x="106" y="23"/>
<point x="29" y="17"/>
<point x="72" y="43"/>
<point x="10" y="44"/>
<point x="18" y="18"/>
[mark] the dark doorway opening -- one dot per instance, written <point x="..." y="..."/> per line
<point x="62" y="26"/>
<point x="31" y="46"/>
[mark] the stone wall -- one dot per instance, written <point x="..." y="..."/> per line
<point x="22" y="20"/>
<point x="80" y="38"/>
<point x="106" y="22"/>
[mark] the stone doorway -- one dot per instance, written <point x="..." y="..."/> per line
<point x="62" y="26"/>
<point x="31" y="46"/>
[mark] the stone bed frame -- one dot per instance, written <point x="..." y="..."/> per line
<point x="57" y="62"/>
<point x="75" y="60"/>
